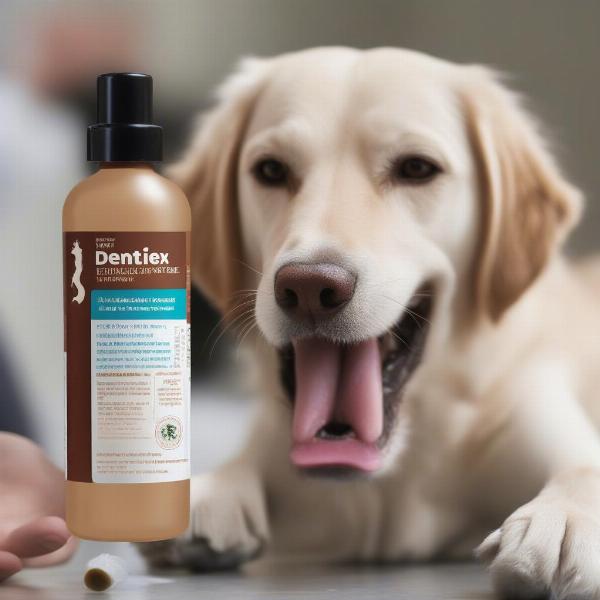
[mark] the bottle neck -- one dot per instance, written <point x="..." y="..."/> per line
<point x="126" y="165"/>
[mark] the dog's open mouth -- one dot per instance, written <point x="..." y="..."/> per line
<point x="345" y="396"/>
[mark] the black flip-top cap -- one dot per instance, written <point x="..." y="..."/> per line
<point x="124" y="131"/>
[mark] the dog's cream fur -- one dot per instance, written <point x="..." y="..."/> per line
<point x="498" y="427"/>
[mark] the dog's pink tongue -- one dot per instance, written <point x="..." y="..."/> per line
<point x="340" y="384"/>
<point x="359" y="401"/>
<point x="318" y="364"/>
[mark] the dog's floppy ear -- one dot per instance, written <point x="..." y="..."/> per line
<point x="207" y="173"/>
<point x="528" y="207"/>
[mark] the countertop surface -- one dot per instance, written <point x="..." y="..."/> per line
<point x="220" y="423"/>
<point x="427" y="582"/>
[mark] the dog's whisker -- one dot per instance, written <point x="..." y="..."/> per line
<point x="245" y="329"/>
<point x="240" y="295"/>
<point x="249" y="328"/>
<point x="245" y="264"/>
<point x="415" y="295"/>
<point x="244" y="303"/>
<point x="416" y="315"/>
<point x="394" y="280"/>
<point x="223" y="332"/>
<point x="378" y="284"/>
<point x="225" y="318"/>
<point x="241" y="329"/>
<point x="411" y="312"/>
<point x="382" y="325"/>
<point x="400" y="339"/>
<point x="229" y="325"/>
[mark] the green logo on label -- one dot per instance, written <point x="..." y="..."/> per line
<point x="169" y="432"/>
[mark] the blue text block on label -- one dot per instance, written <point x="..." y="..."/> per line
<point x="139" y="304"/>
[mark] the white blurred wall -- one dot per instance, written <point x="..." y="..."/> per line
<point x="551" y="47"/>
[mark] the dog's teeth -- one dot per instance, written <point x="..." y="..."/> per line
<point x="388" y="368"/>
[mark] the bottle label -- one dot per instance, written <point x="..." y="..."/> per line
<point x="127" y="344"/>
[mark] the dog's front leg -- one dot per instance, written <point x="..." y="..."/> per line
<point x="228" y="519"/>
<point x="551" y="545"/>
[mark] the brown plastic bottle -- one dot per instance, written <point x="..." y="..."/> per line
<point x="127" y="294"/>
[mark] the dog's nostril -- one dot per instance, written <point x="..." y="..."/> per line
<point x="289" y="298"/>
<point x="335" y="430"/>
<point x="328" y="298"/>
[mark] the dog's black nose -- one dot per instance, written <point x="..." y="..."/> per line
<point x="308" y="291"/>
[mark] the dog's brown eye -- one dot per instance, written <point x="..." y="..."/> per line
<point x="415" y="169"/>
<point x="270" y="171"/>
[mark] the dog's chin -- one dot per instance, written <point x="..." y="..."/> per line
<point x="345" y="397"/>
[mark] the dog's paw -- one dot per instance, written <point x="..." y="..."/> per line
<point x="228" y="526"/>
<point x="546" y="548"/>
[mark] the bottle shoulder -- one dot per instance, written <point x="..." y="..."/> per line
<point x="126" y="198"/>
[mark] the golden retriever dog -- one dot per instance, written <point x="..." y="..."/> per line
<point x="385" y="228"/>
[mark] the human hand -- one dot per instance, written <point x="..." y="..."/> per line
<point x="32" y="529"/>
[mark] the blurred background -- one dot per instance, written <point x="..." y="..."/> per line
<point x="50" y="54"/>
